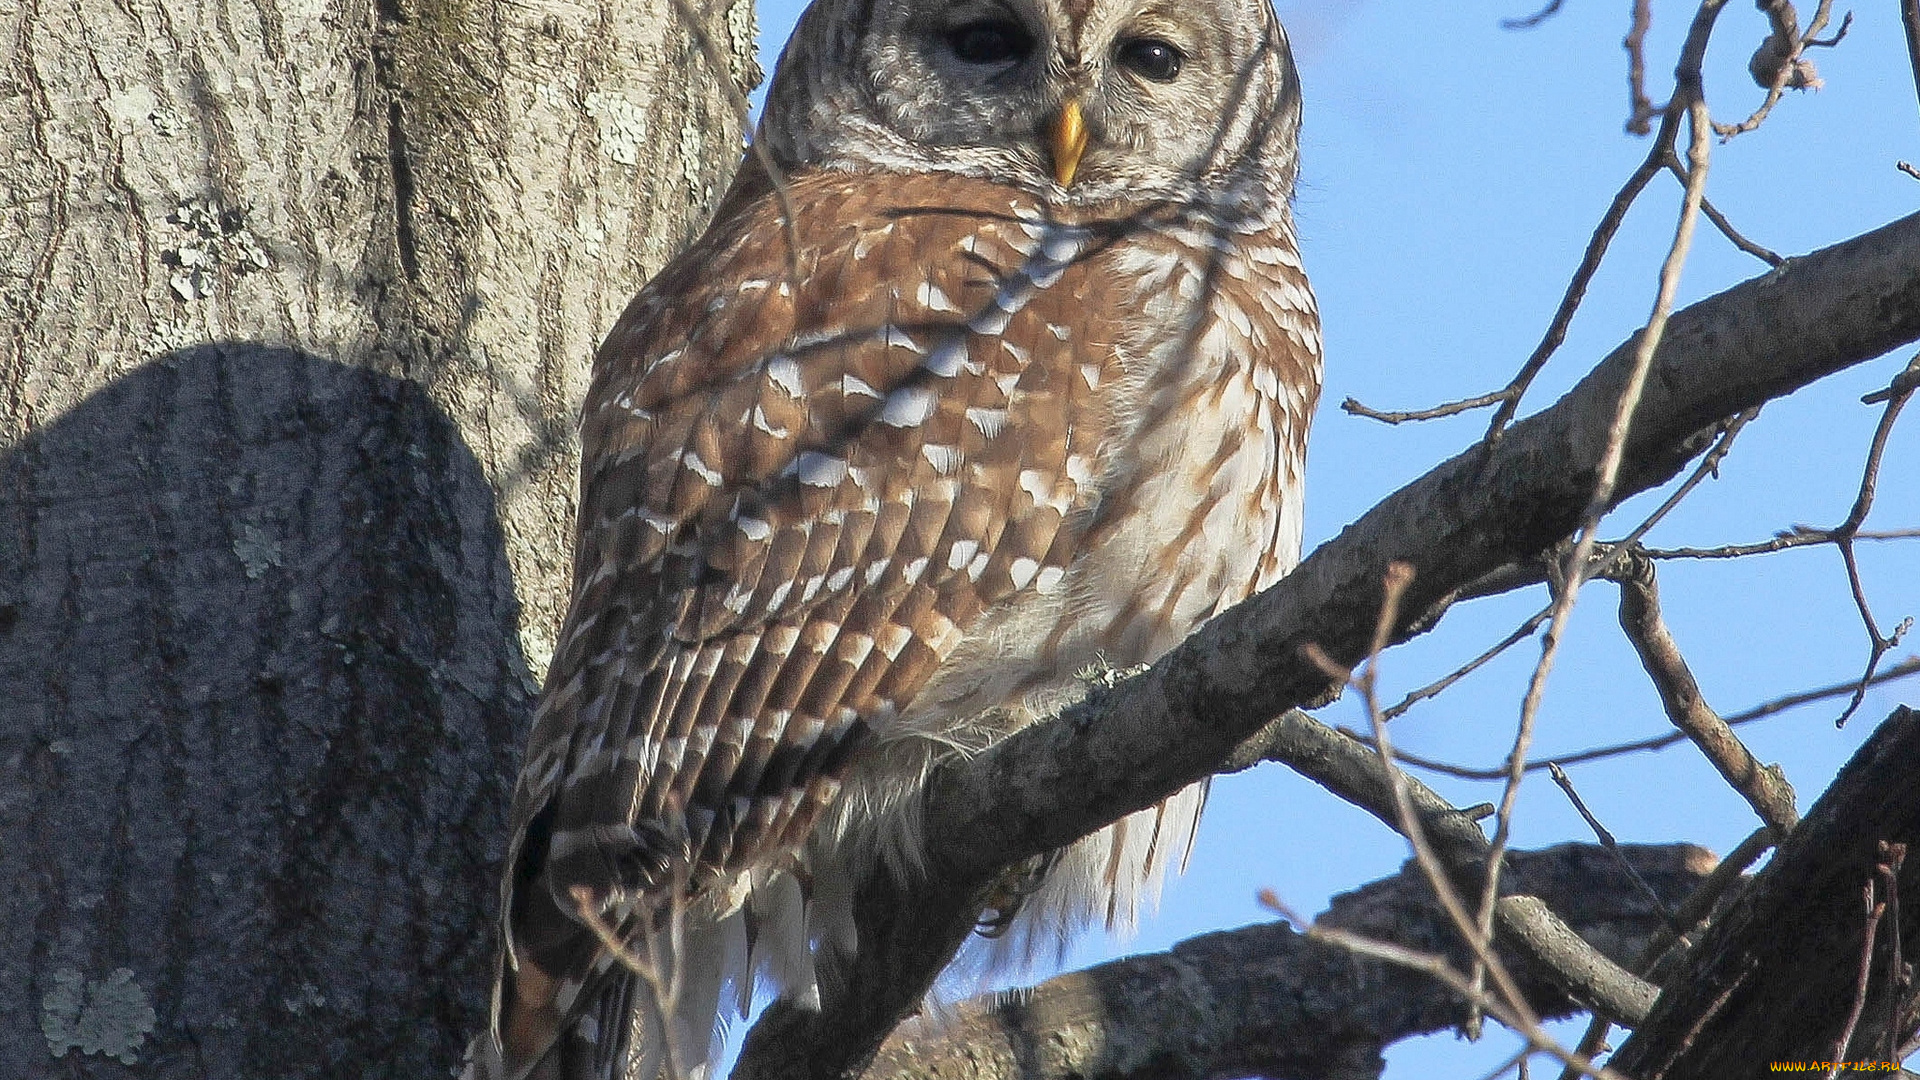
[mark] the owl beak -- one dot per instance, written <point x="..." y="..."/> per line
<point x="1067" y="140"/>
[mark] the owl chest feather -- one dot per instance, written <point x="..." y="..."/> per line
<point x="969" y="449"/>
<point x="1206" y="352"/>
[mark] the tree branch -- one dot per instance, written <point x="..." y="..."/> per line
<point x="1150" y="736"/>
<point x="1266" y="1001"/>
<point x="1724" y="1015"/>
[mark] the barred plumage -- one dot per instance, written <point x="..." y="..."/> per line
<point x="847" y="508"/>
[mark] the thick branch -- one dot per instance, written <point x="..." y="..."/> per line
<point x="1058" y="781"/>
<point x="1774" y="979"/>
<point x="1266" y="1001"/>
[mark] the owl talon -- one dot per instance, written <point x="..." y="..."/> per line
<point x="612" y="860"/>
<point x="1016" y="885"/>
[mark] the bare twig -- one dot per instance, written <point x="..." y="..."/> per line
<point x="1689" y="96"/>
<point x="1611" y="845"/>
<point x="1528" y="22"/>
<point x="1896" y="396"/>
<point x="1876" y="908"/>
<point x="1618" y="551"/>
<point x="1639" y="108"/>
<point x="1508" y="397"/>
<point x="1589" y="264"/>
<point x="1764" y="789"/>
<point x="1901" y="670"/>
<point x="1796" y="537"/>
<point x="1910" y="23"/>
<point x="1353" y="407"/>
<point x="1393" y="589"/>
<point x="1433" y="689"/>
<point x="1733" y="235"/>
<point x="1780" y="63"/>
<point x="697" y="25"/>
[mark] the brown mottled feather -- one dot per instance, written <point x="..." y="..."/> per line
<point x="799" y="496"/>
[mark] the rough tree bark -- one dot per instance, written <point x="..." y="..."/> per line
<point x="1267" y="1001"/>
<point x="299" y="300"/>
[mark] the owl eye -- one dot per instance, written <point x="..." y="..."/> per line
<point x="990" y="41"/>
<point x="1157" y="60"/>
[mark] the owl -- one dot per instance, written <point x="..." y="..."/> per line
<point x="997" y="362"/>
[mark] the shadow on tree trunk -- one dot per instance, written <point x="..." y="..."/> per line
<point x="261" y="699"/>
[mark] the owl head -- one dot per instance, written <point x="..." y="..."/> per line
<point x="1079" y="101"/>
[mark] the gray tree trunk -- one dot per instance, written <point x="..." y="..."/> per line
<point x="299" y="300"/>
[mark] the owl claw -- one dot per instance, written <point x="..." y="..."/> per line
<point x="1015" y="886"/>
<point x="613" y="861"/>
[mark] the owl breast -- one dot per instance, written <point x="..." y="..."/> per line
<point x="1201" y="347"/>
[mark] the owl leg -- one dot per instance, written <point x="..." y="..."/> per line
<point x="611" y="861"/>
<point x="592" y="866"/>
<point x="1011" y="891"/>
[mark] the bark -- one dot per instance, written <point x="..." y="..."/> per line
<point x="298" y="302"/>
<point x="1492" y="505"/>
<point x="1776" y="978"/>
<point x="1266" y="1001"/>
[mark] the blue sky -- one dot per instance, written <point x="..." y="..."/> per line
<point x="1452" y="172"/>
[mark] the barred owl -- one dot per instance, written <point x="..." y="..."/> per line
<point x="1005" y="366"/>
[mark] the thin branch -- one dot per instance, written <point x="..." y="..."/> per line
<point x="1733" y="235"/>
<point x="1639" y="108"/>
<point x="1508" y="397"/>
<point x="1896" y="396"/>
<point x="1434" y="689"/>
<point x="1689" y="93"/>
<point x="1611" y="845"/>
<point x="1393" y="589"/>
<point x="1780" y="63"/>
<point x="1910" y="24"/>
<point x="1528" y="22"/>
<point x="1640" y="618"/>
<point x="1602" y="237"/>
<point x="1798" y="536"/>
<point x="1901" y="670"/>
<point x="1353" y="407"/>
<point x="697" y="25"/>
<point x="1876" y="909"/>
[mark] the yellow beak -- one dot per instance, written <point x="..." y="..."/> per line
<point x="1067" y="139"/>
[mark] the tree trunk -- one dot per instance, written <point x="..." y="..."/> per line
<point x="299" y="302"/>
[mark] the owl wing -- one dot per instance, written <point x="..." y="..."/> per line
<point x="797" y="492"/>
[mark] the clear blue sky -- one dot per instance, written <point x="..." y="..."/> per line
<point x="1452" y="172"/>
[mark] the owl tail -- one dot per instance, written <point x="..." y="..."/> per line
<point x="660" y="1022"/>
